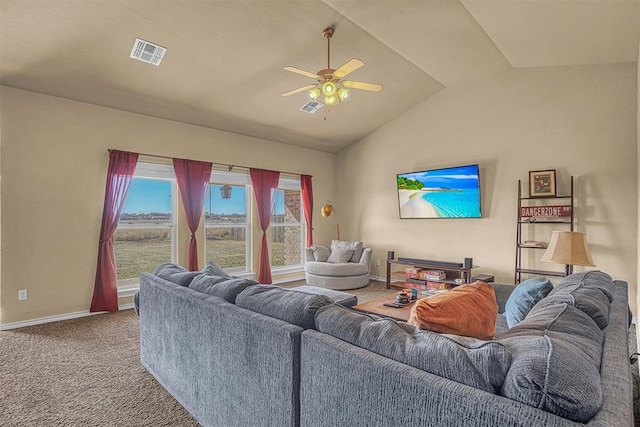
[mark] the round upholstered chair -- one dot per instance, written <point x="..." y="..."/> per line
<point x="343" y="266"/>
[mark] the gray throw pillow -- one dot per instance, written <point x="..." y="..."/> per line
<point x="221" y="286"/>
<point x="320" y="253"/>
<point x="213" y="269"/>
<point x="356" y="246"/>
<point x="175" y="273"/>
<point x="340" y="256"/>
<point x="524" y="297"/>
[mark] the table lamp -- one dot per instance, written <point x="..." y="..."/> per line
<point x="569" y="248"/>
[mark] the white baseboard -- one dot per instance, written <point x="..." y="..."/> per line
<point x="57" y="318"/>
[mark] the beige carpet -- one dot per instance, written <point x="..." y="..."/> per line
<point x="86" y="372"/>
<point x="81" y="372"/>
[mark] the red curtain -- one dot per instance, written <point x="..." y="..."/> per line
<point x="264" y="183"/>
<point x="122" y="165"/>
<point x="307" y="202"/>
<point x="193" y="177"/>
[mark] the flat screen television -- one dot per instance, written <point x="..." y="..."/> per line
<point x="440" y="193"/>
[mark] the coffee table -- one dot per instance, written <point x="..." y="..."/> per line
<point x="376" y="307"/>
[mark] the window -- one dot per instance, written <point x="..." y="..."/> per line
<point x="287" y="229"/>
<point x="145" y="234"/>
<point x="227" y="224"/>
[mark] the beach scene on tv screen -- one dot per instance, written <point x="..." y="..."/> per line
<point x="442" y="193"/>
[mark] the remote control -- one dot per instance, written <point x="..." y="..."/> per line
<point x="393" y="304"/>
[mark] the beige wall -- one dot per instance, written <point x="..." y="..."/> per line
<point x="578" y="120"/>
<point x="54" y="159"/>
<point x="581" y="121"/>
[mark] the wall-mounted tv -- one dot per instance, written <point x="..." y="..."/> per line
<point x="440" y="193"/>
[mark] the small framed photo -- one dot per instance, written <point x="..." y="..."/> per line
<point x="542" y="183"/>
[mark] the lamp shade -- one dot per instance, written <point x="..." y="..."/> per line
<point x="568" y="247"/>
<point x="327" y="210"/>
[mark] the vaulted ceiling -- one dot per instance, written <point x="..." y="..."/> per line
<point x="223" y="66"/>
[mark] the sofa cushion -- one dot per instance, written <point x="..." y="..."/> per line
<point x="224" y="287"/>
<point x="320" y="253"/>
<point x="298" y="308"/>
<point x="480" y="364"/>
<point x="340" y="256"/>
<point x="336" y="270"/>
<point x="175" y="273"/>
<point x="356" y="246"/>
<point x="468" y="310"/>
<point x="589" y="279"/>
<point x="590" y="292"/>
<point x="590" y="301"/>
<point x="342" y="298"/>
<point x="524" y="297"/>
<point x="556" y="353"/>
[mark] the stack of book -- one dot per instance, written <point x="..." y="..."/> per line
<point x="432" y="275"/>
<point x="413" y="272"/>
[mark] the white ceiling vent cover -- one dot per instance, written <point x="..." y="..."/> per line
<point x="147" y="52"/>
<point x="311" y="106"/>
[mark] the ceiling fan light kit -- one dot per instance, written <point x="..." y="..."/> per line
<point x="330" y="89"/>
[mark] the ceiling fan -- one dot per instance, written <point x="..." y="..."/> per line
<point x="330" y="89"/>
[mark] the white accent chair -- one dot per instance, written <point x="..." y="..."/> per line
<point x="344" y="274"/>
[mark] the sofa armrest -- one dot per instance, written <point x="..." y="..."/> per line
<point x="502" y="290"/>
<point x="365" y="259"/>
<point x="309" y="254"/>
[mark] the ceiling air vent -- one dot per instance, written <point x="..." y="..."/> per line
<point x="147" y="52"/>
<point x="311" y="106"/>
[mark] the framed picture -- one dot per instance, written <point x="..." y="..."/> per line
<point x="542" y="183"/>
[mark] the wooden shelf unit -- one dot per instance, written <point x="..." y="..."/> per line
<point x="451" y="272"/>
<point x="521" y="245"/>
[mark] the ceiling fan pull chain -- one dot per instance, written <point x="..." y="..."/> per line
<point x="328" y="51"/>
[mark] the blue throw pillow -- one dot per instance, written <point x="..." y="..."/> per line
<point x="524" y="297"/>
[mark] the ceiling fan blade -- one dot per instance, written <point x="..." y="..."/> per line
<point x="348" y="68"/>
<point x="300" y="89"/>
<point x="303" y="72"/>
<point x="373" y="87"/>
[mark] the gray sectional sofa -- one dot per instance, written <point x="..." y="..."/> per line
<point x="258" y="355"/>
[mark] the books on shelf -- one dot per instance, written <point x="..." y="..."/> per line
<point x="432" y="275"/>
<point x="423" y="274"/>
<point x="412" y="272"/>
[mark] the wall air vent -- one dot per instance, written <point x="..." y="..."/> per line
<point x="147" y="52"/>
<point x="311" y="106"/>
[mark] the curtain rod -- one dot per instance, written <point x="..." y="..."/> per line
<point x="230" y="166"/>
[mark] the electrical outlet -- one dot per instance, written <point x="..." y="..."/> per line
<point x="377" y="262"/>
<point x="22" y="295"/>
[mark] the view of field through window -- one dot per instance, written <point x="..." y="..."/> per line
<point x="143" y="238"/>
<point x="226" y="226"/>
